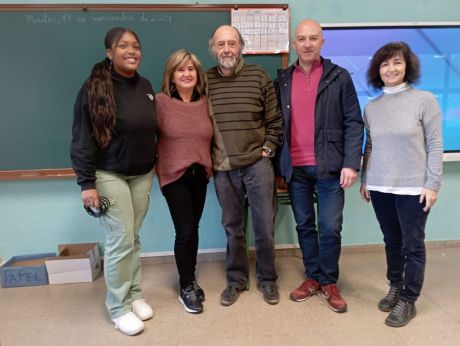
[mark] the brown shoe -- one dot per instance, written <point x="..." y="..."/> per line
<point x="308" y="288"/>
<point x="333" y="298"/>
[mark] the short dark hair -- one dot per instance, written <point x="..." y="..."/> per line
<point x="388" y="51"/>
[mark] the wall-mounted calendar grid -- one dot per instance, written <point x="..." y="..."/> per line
<point x="265" y="31"/>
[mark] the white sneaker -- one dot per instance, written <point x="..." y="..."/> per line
<point x="129" y="324"/>
<point x="142" y="309"/>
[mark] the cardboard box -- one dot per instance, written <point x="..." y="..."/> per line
<point x="76" y="263"/>
<point x="27" y="270"/>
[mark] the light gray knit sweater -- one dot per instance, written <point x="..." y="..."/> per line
<point x="404" y="140"/>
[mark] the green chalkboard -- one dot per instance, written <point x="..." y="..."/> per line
<point x="46" y="56"/>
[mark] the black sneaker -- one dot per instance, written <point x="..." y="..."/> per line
<point x="270" y="292"/>
<point x="401" y="314"/>
<point x="229" y="295"/>
<point x="390" y="300"/>
<point x="189" y="299"/>
<point x="199" y="291"/>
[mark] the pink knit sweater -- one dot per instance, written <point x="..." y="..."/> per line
<point x="184" y="137"/>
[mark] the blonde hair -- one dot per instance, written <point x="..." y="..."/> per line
<point x="176" y="60"/>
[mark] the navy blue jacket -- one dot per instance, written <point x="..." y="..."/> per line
<point x="338" y="122"/>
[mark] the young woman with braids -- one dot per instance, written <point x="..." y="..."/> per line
<point x="113" y="152"/>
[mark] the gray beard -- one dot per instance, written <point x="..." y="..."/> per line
<point x="228" y="62"/>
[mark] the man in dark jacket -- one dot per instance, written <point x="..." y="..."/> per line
<point x="321" y="151"/>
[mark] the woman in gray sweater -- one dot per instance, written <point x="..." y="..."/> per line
<point x="401" y="172"/>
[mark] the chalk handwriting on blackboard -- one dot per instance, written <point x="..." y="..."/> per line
<point x="94" y="18"/>
<point x="48" y="19"/>
<point x="155" y="18"/>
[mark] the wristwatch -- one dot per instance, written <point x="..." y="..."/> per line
<point x="268" y="151"/>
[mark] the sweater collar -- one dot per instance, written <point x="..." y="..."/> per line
<point x="195" y="96"/>
<point x="119" y="79"/>
<point x="396" y="89"/>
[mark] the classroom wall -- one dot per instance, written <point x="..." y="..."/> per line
<point x="36" y="215"/>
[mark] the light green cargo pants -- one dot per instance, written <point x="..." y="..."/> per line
<point x="129" y="200"/>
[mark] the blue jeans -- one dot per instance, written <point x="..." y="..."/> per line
<point x="320" y="247"/>
<point x="402" y="221"/>
<point x="257" y="182"/>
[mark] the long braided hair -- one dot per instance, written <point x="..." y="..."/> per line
<point x="100" y="90"/>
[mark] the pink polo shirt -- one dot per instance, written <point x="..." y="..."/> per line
<point x="303" y="98"/>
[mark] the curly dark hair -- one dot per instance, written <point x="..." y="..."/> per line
<point x="388" y="51"/>
<point x="100" y="90"/>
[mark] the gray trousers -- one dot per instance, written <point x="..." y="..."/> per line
<point x="257" y="183"/>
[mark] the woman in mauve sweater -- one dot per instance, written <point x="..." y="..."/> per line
<point x="401" y="172"/>
<point x="184" y="163"/>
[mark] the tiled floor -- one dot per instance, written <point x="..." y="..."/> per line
<point x="75" y="314"/>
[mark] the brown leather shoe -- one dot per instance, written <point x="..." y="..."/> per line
<point x="308" y="288"/>
<point x="333" y="298"/>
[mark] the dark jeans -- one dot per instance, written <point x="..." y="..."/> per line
<point x="402" y="221"/>
<point x="186" y="197"/>
<point x="320" y="248"/>
<point x="257" y="182"/>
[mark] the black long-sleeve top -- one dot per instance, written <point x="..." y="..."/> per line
<point x="132" y="149"/>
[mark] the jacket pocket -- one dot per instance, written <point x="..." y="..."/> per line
<point x="335" y="149"/>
